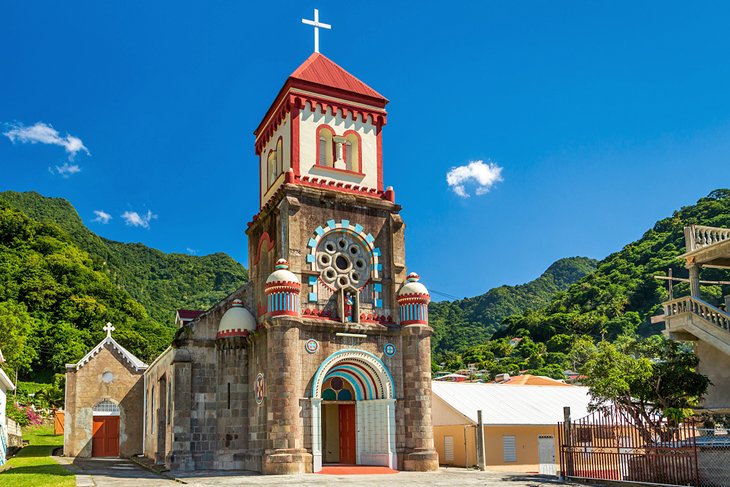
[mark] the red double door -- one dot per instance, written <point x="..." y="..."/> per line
<point x="105" y="437"/>
<point x="347" y="433"/>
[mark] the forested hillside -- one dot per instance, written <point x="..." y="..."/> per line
<point x="467" y="322"/>
<point x="620" y="296"/>
<point x="59" y="283"/>
<point x="613" y="303"/>
<point x="160" y="282"/>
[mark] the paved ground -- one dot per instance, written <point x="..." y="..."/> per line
<point x="112" y="472"/>
<point x="102" y="472"/>
<point x="444" y="477"/>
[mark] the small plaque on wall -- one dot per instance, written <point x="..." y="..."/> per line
<point x="259" y="388"/>
<point x="311" y="345"/>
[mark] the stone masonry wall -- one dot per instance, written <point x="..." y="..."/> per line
<point x="85" y="388"/>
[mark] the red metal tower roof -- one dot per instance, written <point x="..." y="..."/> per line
<point x="321" y="70"/>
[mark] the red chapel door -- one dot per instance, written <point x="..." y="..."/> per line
<point x="105" y="436"/>
<point x="347" y="433"/>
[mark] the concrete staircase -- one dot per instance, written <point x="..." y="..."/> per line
<point x="690" y="318"/>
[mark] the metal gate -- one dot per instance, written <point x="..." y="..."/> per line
<point x="611" y="445"/>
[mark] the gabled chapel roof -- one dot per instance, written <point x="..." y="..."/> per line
<point x="128" y="357"/>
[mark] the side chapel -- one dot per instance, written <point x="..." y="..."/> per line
<point x="324" y="355"/>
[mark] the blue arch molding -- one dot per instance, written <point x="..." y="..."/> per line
<point x="367" y="239"/>
<point x="329" y="368"/>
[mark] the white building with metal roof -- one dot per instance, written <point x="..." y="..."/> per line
<point x="520" y="423"/>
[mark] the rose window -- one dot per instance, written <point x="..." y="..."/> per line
<point x="343" y="261"/>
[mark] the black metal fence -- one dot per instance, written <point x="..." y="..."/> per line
<point x="611" y="445"/>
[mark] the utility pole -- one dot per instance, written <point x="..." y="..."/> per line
<point x="481" y="457"/>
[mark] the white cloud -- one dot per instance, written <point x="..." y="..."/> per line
<point x="101" y="217"/>
<point x="482" y="174"/>
<point x="42" y="133"/>
<point x="134" y="219"/>
<point x="191" y="251"/>
<point x="67" y="170"/>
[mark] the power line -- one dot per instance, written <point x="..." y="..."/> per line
<point x="446" y="295"/>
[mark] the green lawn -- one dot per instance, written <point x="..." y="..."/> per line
<point x="33" y="466"/>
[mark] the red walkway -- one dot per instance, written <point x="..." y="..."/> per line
<point x="355" y="470"/>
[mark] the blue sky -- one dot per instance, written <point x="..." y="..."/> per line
<point x="604" y="117"/>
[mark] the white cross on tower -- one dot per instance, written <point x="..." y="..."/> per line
<point x="316" y="24"/>
<point x="108" y="328"/>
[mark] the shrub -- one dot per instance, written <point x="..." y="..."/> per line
<point x="17" y="414"/>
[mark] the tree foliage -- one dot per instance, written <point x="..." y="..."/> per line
<point x="466" y="322"/>
<point x="621" y="294"/>
<point x="59" y="283"/>
<point x="611" y="304"/>
<point x="159" y="282"/>
<point x="647" y="379"/>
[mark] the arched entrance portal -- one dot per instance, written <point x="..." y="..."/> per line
<point x="353" y="411"/>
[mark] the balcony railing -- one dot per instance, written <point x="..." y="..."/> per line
<point x="700" y="308"/>
<point x="700" y="236"/>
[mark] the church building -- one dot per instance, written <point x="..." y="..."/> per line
<point x="324" y="356"/>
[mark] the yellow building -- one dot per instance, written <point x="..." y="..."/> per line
<point x="520" y="423"/>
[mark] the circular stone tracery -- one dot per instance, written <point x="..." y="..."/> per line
<point x="343" y="260"/>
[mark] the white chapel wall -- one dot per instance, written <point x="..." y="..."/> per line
<point x="310" y="120"/>
<point x="283" y="131"/>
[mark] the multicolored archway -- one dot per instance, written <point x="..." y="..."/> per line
<point x="374" y="394"/>
<point x="368" y="376"/>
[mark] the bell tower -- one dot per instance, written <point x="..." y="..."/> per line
<point x="328" y="274"/>
<point x="325" y="128"/>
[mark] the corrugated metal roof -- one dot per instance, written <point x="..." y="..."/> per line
<point x="322" y="70"/>
<point x="513" y="404"/>
<point x="533" y="380"/>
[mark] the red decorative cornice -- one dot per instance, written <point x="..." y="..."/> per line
<point x="414" y="298"/>
<point x="318" y="314"/>
<point x="233" y="333"/>
<point x="282" y="287"/>
<point x="283" y="312"/>
<point x="413" y="322"/>
<point x="290" y="101"/>
<point x="322" y="183"/>
<point x="378" y="319"/>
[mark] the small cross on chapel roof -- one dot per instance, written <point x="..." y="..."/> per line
<point x="317" y="25"/>
<point x="108" y="328"/>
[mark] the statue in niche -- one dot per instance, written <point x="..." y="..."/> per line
<point x="349" y="305"/>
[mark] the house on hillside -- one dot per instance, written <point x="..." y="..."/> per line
<point x="690" y="318"/>
<point x="5" y="386"/>
<point x="185" y="316"/>
<point x="520" y="423"/>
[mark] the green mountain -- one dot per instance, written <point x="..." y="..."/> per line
<point x="466" y="322"/>
<point x="614" y="302"/>
<point x="620" y="296"/>
<point x="59" y="282"/>
<point x="160" y="282"/>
